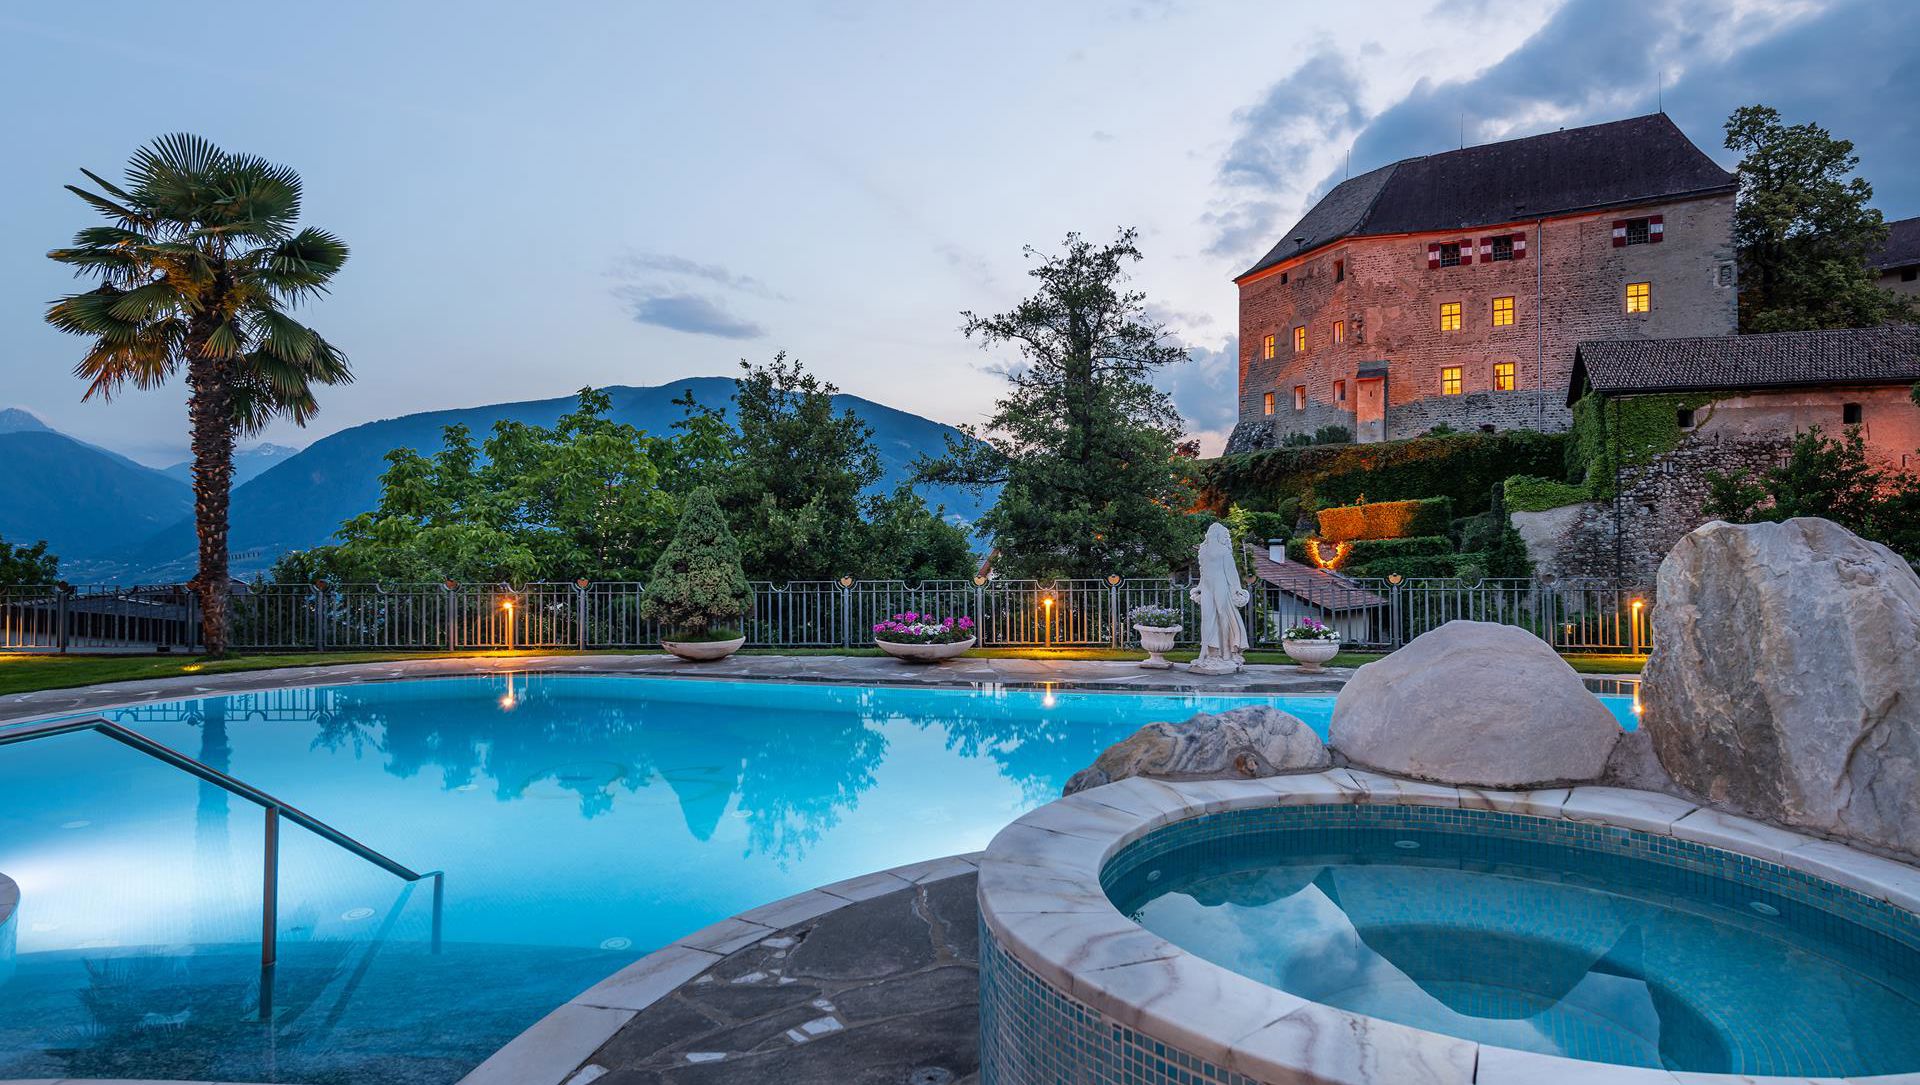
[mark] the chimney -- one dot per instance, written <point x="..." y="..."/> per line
<point x="1277" y="551"/>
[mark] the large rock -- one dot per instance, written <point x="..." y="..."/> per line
<point x="1785" y="678"/>
<point x="1243" y="742"/>
<point x="1474" y="703"/>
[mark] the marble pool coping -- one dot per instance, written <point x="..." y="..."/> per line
<point x="966" y="673"/>
<point x="1042" y="902"/>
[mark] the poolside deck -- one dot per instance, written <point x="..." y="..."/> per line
<point x="848" y="670"/>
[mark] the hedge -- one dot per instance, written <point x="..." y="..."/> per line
<point x="1420" y="567"/>
<point x="1463" y="466"/>
<point x="1529" y="493"/>
<point x="1386" y="520"/>
<point x="1626" y="431"/>
<point x="1419" y="546"/>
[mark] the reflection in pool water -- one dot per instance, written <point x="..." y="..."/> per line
<point x="581" y="821"/>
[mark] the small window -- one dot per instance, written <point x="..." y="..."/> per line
<point x="1726" y="274"/>
<point x="1299" y="397"/>
<point x="1339" y="332"/>
<point x="1267" y="405"/>
<point x="1300" y="339"/>
<point x="1339" y="271"/>
<point x="1450" y="316"/>
<point x="1502" y="247"/>
<point x="1450" y="381"/>
<point x="1266" y="347"/>
<point x="1639" y="297"/>
<point x="1909" y="274"/>
<point x="1450" y="254"/>
<point x="1283" y="278"/>
<point x="1339" y="391"/>
<point x="1502" y="312"/>
<point x="1684" y="417"/>
<point x="1503" y="376"/>
<point x="1638" y="231"/>
<point x="1850" y="414"/>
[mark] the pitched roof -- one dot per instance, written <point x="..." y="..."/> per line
<point x="1620" y="163"/>
<point x="1885" y="355"/>
<point x="1316" y="586"/>
<point x="1902" y="248"/>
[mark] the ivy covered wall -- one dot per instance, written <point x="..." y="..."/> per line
<point x="1464" y="467"/>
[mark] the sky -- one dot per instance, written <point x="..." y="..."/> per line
<point x="540" y="197"/>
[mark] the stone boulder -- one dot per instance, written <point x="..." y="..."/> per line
<point x="1243" y="742"/>
<point x="1474" y="703"/>
<point x="1785" y="678"/>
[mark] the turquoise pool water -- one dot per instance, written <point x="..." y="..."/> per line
<point x="582" y="821"/>
<point x="1541" y="935"/>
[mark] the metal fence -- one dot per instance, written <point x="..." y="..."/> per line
<point x="1572" y="616"/>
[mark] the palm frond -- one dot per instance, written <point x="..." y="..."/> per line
<point x="171" y="174"/>
<point x="225" y="341"/>
<point x="147" y="301"/>
<point x="113" y="190"/>
<point x="282" y="337"/>
<point x="299" y="267"/>
<point x="108" y="208"/>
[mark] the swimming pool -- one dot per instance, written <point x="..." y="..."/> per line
<point x="582" y="821"/>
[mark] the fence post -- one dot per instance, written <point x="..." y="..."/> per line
<point x="319" y="615"/>
<point x="580" y="610"/>
<point x="980" y="610"/>
<point x="60" y="616"/>
<point x="846" y="612"/>
<point x="1115" y="631"/>
<point x="453" y="636"/>
<point x="1396" y="637"/>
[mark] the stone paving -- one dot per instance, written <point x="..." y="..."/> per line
<point x="884" y="991"/>
<point x="851" y="670"/>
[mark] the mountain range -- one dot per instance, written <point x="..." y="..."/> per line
<point x="111" y="519"/>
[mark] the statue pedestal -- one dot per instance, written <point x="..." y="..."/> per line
<point x="1212" y="666"/>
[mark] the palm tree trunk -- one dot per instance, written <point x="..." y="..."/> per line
<point x="210" y="413"/>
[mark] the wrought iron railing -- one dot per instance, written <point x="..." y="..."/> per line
<point x="1571" y="615"/>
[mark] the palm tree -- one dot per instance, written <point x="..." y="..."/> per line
<point x="197" y="270"/>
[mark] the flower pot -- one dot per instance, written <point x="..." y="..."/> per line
<point x="703" y="651"/>
<point x="1310" y="654"/>
<point x="924" y="653"/>
<point x="1156" y="639"/>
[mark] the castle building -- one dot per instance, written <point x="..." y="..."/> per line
<point x="1897" y="265"/>
<point x="1451" y="290"/>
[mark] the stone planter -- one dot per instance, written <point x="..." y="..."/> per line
<point x="1156" y="639"/>
<point x="924" y="653"/>
<point x="703" y="651"/>
<point x="1310" y="654"/>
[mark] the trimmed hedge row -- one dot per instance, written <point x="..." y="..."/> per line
<point x="1387" y="520"/>
<point x="1462" y="466"/>
<point x="1419" y="546"/>
<point x="1527" y="493"/>
<point x="1471" y="564"/>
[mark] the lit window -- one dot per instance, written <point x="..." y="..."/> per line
<point x="1299" y="397"/>
<point x="1503" y="376"/>
<point x="1639" y="297"/>
<point x="1502" y="312"/>
<point x="1450" y="316"/>
<point x="1503" y="247"/>
<point x="1339" y="332"/>
<point x="1266" y="347"/>
<point x="1450" y="255"/>
<point x="1339" y="271"/>
<point x="1339" y="391"/>
<point x="1300" y="340"/>
<point x="1268" y="404"/>
<point x="1450" y="381"/>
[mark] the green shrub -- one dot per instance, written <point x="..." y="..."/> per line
<point x="1432" y="565"/>
<point x="1419" y="546"/>
<point x="1464" y="467"/>
<point x="1611" y="434"/>
<point x="1296" y="440"/>
<point x="1386" y="520"/>
<point x="1262" y="526"/>
<point x="697" y="585"/>
<point x="1530" y="493"/>
<point x="1332" y="435"/>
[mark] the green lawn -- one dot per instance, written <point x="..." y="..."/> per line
<point x="25" y="673"/>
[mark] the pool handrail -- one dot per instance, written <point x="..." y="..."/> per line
<point x="274" y="808"/>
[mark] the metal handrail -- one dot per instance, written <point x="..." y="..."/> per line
<point x="274" y="808"/>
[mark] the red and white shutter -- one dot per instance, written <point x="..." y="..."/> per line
<point x="1656" y="229"/>
<point x="1619" y="233"/>
<point x="1486" y="250"/>
<point x="1519" y="246"/>
<point x="1433" y="255"/>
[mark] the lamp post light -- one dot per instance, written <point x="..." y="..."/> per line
<point x="506" y="607"/>
<point x="1638" y="606"/>
<point x="1047" y="621"/>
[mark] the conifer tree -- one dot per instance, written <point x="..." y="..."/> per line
<point x="698" y="585"/>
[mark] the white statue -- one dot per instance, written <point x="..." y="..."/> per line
<point x="1223" y="636"/>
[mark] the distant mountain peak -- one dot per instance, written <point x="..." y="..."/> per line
<point x="19" y="420"/>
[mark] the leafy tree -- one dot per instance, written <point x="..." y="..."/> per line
<point x="1083" y="445"/>
<point x="793" y="487"/>
<point x="1804" y="229"/>
<point x="908" y="541"/>
<point x="586" y="497"/>
<point x="198" y="268"/>
<point x="1830" y="478"/>
<point x="23" y="564"/>
<point x="698" y="584"/>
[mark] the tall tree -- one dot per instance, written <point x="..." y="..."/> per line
<point x="793" y="488"/>
<point x="24" y="564"/>
<point x="198" y="266"/>
<point x="1804" y="229"/>
<point x="1083" y="446"/>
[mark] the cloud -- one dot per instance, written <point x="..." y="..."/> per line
<point x="640" y="265"/>
<point x="1206" y="387"/>
<point x="688" y="313"/>
<point x="1264" y="172"/>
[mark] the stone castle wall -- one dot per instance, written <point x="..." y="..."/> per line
<point x="1569" y="288"/>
